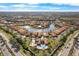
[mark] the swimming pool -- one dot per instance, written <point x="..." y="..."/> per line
<point x="42" y="46"/>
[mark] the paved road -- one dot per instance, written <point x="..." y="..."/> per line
<point x="5" y="51"/>
<point x="9" y="45"/>
<point x="68" y="45"/>
<point x="4" y="48"/>
<point x="76" y="47"/>
<point x="76" y="52"/>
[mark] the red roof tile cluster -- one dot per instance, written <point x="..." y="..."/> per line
<point x="59" y="31"/>
<point x="2" y="21"/>
<point x="18" y="29"/>
<point x="46" y="41"/>
<point x="40" y="33"/>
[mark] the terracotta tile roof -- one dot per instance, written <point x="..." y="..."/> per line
<point x="59" y="31"/>
<point x="46" y="41"/>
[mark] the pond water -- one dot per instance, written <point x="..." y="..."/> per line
<point x="50" y="28"/>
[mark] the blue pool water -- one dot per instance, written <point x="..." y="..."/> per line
<point x="42" y="46"/>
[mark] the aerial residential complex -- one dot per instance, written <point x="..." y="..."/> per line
<point x="39" y="34"/>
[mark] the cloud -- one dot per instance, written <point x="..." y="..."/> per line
<point x="38" y="7"/>
<point x="24" y="5"/>
<point x="69" y="2"/>
<point x="18" y="5"/>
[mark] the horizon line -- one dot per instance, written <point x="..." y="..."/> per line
<point x="39" y="11"/>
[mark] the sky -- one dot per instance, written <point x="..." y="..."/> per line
<point x="39" y="5"/>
